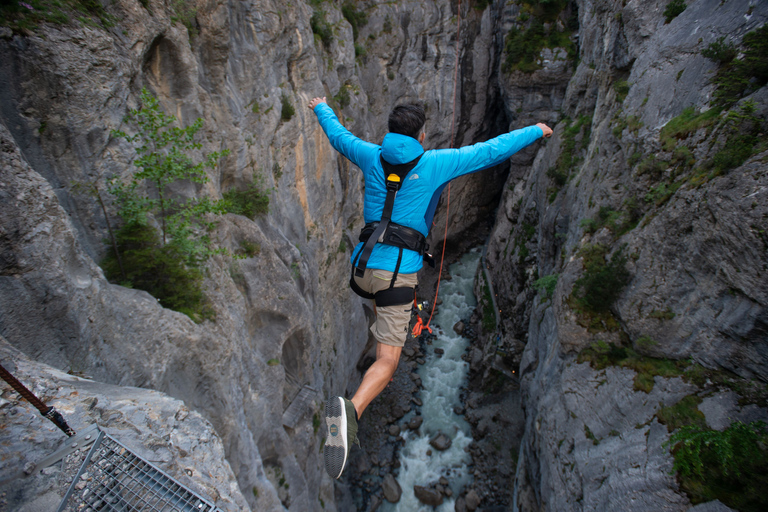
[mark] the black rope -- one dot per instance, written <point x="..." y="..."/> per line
<point x="47" y="412"/>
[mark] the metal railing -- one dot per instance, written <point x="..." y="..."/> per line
<point x="112" y="478"/>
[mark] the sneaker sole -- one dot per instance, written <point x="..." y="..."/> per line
<point x="336" y="448"/>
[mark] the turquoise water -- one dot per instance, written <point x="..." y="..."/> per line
<point x="442" y="378"/>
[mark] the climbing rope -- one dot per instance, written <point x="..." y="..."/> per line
<point x="47" y="412"/>
<point x="420" y="325"/>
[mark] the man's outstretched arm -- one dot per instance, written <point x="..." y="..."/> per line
<point x="487" y="154"/>
<point x="342" y="140"/>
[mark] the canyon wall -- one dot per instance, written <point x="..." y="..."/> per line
<point x="610" y="180"/>
<point x="285" y="317"/>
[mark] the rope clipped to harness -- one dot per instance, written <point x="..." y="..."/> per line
<point x="421" y="326"/>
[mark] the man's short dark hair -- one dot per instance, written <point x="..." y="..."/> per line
<point x="407" y="120"/>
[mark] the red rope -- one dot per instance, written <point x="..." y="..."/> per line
<point x="420" y="325"/>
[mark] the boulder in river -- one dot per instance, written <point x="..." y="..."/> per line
<point x="440" y="442"/>
<point x="392" y="490"/>
<point x="459" y="327"/>
<point x="415" y="422"/>
<point x="472" y="500"/>
<point x="428" y="495"/>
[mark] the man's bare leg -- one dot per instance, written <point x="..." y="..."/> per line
<point x="377" y="377"/>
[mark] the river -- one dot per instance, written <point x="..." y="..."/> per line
<point x="443" y="377"/>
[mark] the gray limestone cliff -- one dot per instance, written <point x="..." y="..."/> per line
<point x="695" y="248"/>
<point x="285" y="319"/>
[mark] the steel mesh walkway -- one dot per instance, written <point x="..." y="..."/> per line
<point x="112" y="478"/>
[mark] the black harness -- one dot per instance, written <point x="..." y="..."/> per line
<point x="389" y="233"/>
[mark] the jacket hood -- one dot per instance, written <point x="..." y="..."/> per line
<point x="399" y="149"/>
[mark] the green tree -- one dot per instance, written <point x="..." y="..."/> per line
<point x="165" y="260"/>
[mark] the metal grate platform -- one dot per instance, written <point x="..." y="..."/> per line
<point x="112" y="478"/>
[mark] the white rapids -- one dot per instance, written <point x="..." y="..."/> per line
<point x="442" y="378"/>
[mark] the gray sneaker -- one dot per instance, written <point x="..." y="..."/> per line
<point x="341" y="422"/>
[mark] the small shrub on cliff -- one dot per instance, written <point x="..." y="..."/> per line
<point x="737" y="77"/>
<point x="684" y="413"/>
<point x="321" y="28"/>
<point x="673" y="10"/>
<point x="731" y="466"/>
<point x="252" y="202"/>
<point x="603" y="280"/>
<point x="287" y="109"/>
<point x="358" y="19"/>
<point x="524" y="45"/>
<point x="164" y="241"/>
<point x="720" y="51"/>
<point x="548" y="284"/>
<point x="25" y="15"/>
<point x="601" y="355"/>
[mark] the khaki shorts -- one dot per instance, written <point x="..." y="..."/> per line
<point x="391" y="325"/>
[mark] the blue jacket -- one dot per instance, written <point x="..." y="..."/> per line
<point x="417" y="199"/>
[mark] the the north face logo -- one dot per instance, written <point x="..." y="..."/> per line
<point x="334" y="430"/>
<point x="414" y="177"/>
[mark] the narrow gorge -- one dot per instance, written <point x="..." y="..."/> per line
<point x="622" y="298"/>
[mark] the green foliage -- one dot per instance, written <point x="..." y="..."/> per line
<point x="273" y="362"/>
<point x="720" y="51"/>
<point x="481" y="5"/>
<point x="589" y="435"/>
<point x="622" y="89"/>
<point x="652" y="166"/>
<point x="603" y="280"/>
<point x="661" y="193"/>
<point x="683" y="413"/>
<point x="682" y="157"/>
<point x="315" y="422"/>
<point x="387" y="27"/>
<point x="667" y="314"/>
<point x="252" y="202"/>
<point x="601" y="355"/>
<point x="689" y="121"/>
<point x="287" y="109"/>
<point x="568" y="157"/>
<point x="161" y="270"/>
<point x="743" y="129"/>
<point x="249" y="249"/>
<point x="739" y="76"/>
<point x="26" y="15"/>
<point x="618" y="222"/>
<point x="321" y="28"/>
<point x="360" y="50"/>
<point x="185" y="12"/>
<point x="342" y="98"/>
<point x="558" y="176"/>
<point x="358" y="19"/>
<point x="731" y="466"/>
<point x="523" y="46"/>
<point x="168" y="265"/>
<point x="673" y="10"/>
<point x="546" y="283"/>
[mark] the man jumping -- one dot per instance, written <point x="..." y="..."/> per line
<point x="402" y="186"/>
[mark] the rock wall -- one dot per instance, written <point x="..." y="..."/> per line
<point x="697" y="258"/>
<point x="152" y="425"/>
<point x="65" y="87"/>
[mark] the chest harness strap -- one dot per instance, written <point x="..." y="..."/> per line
<point x="389" y="233"/>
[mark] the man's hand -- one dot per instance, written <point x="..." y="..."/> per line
<point x="546" y="129"/>
<point x="316" y="101"/>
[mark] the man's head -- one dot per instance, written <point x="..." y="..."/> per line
<point x="407" y="120"/>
